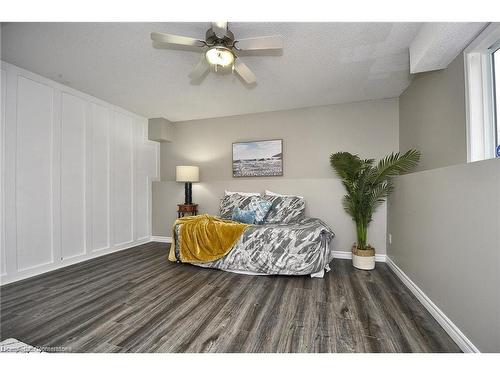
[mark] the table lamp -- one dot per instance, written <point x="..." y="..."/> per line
<point x="187" y="174"/>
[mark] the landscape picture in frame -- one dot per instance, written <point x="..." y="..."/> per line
<point x="258" y="158"/>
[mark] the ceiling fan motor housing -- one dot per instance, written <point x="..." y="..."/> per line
<point x="213" y="40"/>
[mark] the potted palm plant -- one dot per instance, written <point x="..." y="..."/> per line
<point x="367" y="186"/>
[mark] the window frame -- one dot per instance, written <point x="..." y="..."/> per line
<point x="481" y="120"/>
<point x="496" y="90"/>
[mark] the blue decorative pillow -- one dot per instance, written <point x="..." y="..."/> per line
<point x="243" y="216"/>
<point x="261" y="208"/>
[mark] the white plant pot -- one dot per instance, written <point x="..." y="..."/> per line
<point x="363" y="259"/>
<point x="363" y="263"/>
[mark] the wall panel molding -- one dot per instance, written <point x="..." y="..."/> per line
<point x="3" y="94"/>
<point x="123" y="175"/>
<point x="77" y="176"/>
<point x="100" y="178"/>
<point x="73" y="176"/>
<point x="34" y="173"/>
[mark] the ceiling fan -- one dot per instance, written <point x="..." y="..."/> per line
<point x="220" y="50"/>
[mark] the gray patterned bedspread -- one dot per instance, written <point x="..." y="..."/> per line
<point x="300" y="248"/>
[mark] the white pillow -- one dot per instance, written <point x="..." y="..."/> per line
<point x="282" y="195"/>
<point x="241" y="193"/>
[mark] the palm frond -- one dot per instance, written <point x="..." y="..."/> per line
<point x="396" y="164"/>
<point x="346" y="165"/>
<point x="349" y="205"/>
<point x="368" y="162"/>
<point x="379" y="194"/>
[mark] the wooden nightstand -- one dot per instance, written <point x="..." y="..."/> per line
<point x="184" y="209"/>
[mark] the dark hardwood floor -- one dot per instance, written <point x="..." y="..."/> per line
<point x="137" y="301"/>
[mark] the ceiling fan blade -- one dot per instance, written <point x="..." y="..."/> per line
<point x="244" y="72"/>
<point x="178" y="40"/>
<point x="199" y="70"/>
<point x="260" y="43"/>
<point x="219" y="29"/>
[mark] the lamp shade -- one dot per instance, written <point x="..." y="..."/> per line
<point x="187" y="173"/>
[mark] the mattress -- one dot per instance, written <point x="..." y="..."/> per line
<point x="301" y="248"/>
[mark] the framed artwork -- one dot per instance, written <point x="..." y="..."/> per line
<point x="258" y="158"/>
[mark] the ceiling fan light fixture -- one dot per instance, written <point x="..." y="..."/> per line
<point x="220" y="50"/>
<point x="220" y="56"/>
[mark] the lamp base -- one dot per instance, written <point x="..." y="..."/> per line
<point x="188" y="193"/>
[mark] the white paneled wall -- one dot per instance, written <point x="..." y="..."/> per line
<point x="3" y="90"/>
<point x="123" y="178"/>
<point x="100" y="177"/>
<point x="76" y="176"/>
<point x="73" y="176"/>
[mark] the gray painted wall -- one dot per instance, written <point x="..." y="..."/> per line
<point x="445" y="221"/>
<point x="445" y="226"/>
<point x="432" y="116"/>
<point x="309" y="136"/>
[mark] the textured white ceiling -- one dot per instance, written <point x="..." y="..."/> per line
<point x="322" y="63"/>
<point x="438" y="43"/>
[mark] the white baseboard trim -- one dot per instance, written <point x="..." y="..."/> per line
<point x="161" y="239"/>
<point x="348" y="255"/>
<point x="451" y="329"/>
<point x="33" y="272"/>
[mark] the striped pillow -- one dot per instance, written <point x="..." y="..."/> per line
<point x="284" y="209"/>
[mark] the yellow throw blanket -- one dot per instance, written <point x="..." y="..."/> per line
<point x="204" y="238"/>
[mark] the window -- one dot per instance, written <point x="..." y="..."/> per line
<point x="496" y="84"/>
<point x="482" y="73"/>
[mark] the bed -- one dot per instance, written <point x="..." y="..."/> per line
<point x="285" y="243"/>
